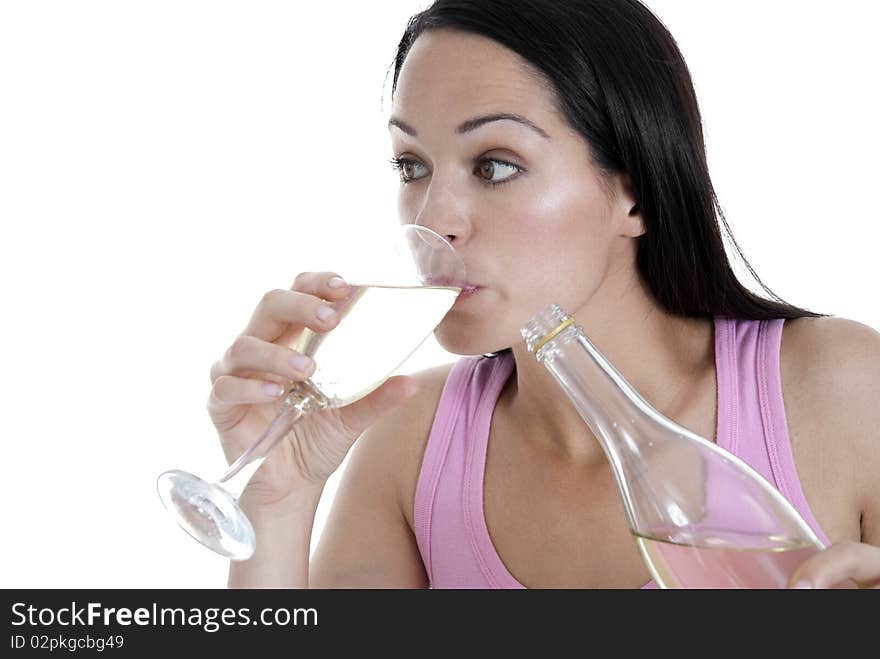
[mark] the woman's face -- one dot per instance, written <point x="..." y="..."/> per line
<point x="522" y="202"/>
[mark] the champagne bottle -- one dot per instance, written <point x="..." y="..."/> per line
<point x="701" y="517"/>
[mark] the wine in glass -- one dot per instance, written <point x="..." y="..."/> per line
<point x="406" y="297"/>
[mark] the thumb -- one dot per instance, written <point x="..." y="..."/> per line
<point x="361" y="414"/>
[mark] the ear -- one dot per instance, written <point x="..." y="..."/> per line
<point x="633" y="224"/>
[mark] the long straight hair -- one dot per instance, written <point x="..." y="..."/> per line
<point x="621" y="82"/>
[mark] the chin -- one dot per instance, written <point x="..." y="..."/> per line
<point x="467" y="343"/>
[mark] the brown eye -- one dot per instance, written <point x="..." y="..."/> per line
<point x="408" y="169"/>
<point x="488" y="168"/>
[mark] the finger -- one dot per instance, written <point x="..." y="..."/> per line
<point x="327" y="285"/>
<point x="361" y="414"/>
<point x="230" y="391"/>
<point x="857" y="561"/>
<point x="279" y="308"/>
<point x="248" y="354"/>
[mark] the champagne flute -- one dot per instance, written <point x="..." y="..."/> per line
<point x="407" y="294"/>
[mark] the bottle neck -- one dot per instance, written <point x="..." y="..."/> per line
<point x="609" y="405"/>
<point x="602" y="396"/>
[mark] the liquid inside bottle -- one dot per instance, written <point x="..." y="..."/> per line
<point x="701" y="517"/>
<point x="722" y="559"/>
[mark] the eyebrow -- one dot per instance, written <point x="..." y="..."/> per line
<point x="473" y="124"/>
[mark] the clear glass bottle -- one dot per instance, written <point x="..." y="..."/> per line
<point x="701" y="517"/>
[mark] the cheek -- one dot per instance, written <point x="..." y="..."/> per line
<point x="564" y="222"/>
<point x="568" y="203"/>
<point x="547" y="244"/>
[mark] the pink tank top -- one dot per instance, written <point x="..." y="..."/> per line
<point x="450" y="526"/>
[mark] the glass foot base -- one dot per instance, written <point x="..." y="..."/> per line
<point x="208" y="513"/>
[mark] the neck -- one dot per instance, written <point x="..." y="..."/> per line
<point x="659" y="354"/>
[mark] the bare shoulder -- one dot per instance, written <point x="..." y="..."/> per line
<point x="821" y="330"/>
<point x="832" y="357"/>
<point x="830" y="370"/>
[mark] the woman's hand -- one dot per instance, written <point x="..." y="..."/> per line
<point x="841" y="562"/>
<point x="247" y="386"/>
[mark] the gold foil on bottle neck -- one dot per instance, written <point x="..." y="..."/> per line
<point x="553" y="334"/>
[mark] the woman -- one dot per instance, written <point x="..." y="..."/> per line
<point x="558" y="146"/>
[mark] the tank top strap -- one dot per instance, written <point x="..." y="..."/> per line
<point x="449" y="407"/>
<point x="752" y="423"/>
<point x="473" y="384"/>
<point x="772" y="409"/>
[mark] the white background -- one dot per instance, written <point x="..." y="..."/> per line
<point x="164" y="163"/>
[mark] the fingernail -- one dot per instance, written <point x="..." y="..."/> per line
<point x="273" y="389"/>
<point x="803" y="584"/>
<point x="300" y="363"/>
<point x="325" y="313"/>
<point x="336" y="282"/>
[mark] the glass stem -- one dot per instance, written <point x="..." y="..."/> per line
<point x="239" y="474"/>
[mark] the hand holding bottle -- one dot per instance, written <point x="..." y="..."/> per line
<point x="842" y="562"/>
<point x="248" y="382"/>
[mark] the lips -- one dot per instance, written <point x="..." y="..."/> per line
<point x="466" y="287"/>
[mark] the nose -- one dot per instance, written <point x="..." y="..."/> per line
<point x="444" y="212"/>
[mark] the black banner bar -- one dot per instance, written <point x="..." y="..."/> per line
<point x="119" y="622"/>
